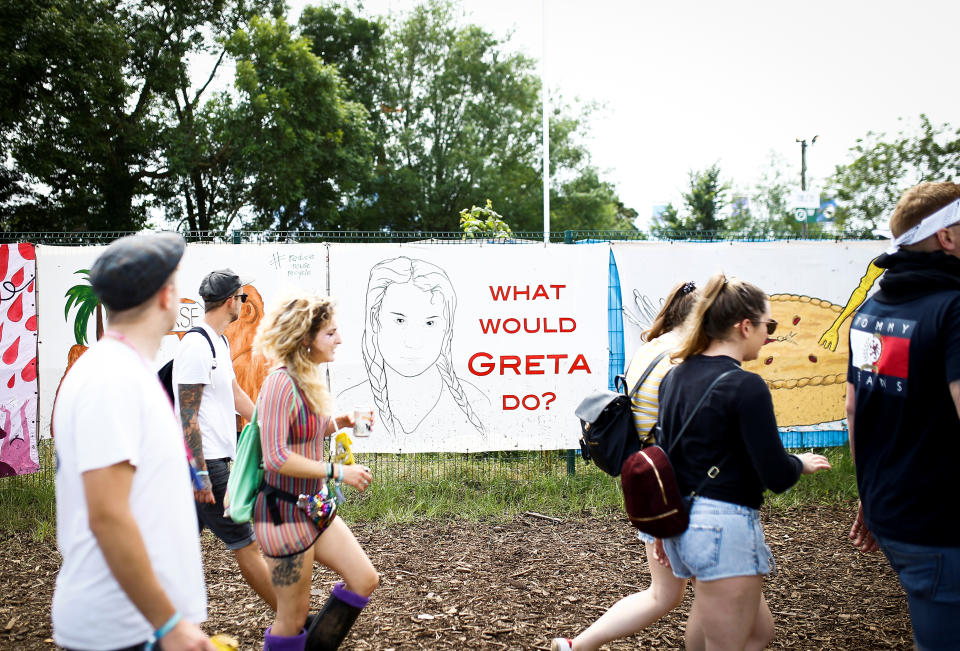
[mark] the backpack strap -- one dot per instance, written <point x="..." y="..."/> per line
<point x="648" y="371"/>
<point x="714" y="470"/>
<point x="271" y="494"/>
<point x="697" y="408"/>
<point x="206" y="336"/>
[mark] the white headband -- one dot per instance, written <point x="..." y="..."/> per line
<point x="946" y="216"/>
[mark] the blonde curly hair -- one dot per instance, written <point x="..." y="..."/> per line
<point x="283" y="337"/>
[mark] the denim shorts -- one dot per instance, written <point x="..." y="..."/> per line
<point x="235" y="536"/>
<point x="931" y="578"/>
<point x="724" y="540"/>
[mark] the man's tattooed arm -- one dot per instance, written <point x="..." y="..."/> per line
<point x="190" y="396"/>
<point x="286" y="570"/>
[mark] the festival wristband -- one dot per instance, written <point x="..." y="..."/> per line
<point x="203" y="472"/>
<point x="163" y="630"/>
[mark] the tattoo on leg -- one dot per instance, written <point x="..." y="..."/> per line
<point x="286" y="571"/>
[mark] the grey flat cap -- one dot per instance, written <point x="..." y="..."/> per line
<point x="134" y="268"/>
<point x="220" y="285"/>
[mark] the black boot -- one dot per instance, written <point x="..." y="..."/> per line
<point x="334" y="620"/>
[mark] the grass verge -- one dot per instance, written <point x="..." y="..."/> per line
<point x="455" y="486"/>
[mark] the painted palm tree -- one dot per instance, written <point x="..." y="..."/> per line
<point x="81" y="298"/>
<point x="86" y="303"/>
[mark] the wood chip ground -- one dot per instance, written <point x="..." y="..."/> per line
<point x="514" y="585"/>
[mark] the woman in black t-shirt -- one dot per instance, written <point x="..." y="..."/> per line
<point x="734" y="432"/>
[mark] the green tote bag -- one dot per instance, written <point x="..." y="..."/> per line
<point x="246" y="477"/>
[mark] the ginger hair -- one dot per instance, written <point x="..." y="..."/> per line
<point x="283" y="337"/>
<point x="921" y="201"/>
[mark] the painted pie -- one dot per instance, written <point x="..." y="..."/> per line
<point x="808" y="382"/>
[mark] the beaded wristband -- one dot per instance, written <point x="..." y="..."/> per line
<point x="163" y="630"/>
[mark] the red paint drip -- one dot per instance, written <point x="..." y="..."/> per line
<point x="30" y="325"/>
<point x="11" y="381"/>
<point x="27" y="252"/>
<point x="4" y="259"/>
<point x="30" y="287"/>
<point x="17" y="277"/>
<point x="29" y="372"/>
<point x="10" y="354"/>
<point x="15" y="313"/>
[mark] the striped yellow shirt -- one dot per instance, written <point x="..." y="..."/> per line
<point x="645" y="402"/>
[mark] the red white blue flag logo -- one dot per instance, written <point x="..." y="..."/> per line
<point x="880" y="353"/>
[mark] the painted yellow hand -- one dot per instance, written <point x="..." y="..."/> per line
<point x="829" y="339"/>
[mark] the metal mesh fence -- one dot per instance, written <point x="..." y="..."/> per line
<point x="436" y="237"/>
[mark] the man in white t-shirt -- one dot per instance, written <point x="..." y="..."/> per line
<point x="208" y="397"/>
<point x="131" y="571"/>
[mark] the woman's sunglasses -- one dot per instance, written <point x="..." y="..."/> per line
<point x="771" y="326"/>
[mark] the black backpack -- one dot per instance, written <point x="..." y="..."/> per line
<point x="166" y="371"/>
<point x="606" y="420"/>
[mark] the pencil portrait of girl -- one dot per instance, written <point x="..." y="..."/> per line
<point x="407" y="354"/>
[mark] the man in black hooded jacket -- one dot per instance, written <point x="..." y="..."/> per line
<point x="903" y="401"/>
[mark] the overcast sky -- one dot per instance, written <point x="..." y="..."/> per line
<point x="689" y="83"/>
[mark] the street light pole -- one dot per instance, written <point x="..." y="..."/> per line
<point x="803" y="172"/>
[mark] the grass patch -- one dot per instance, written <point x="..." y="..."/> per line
<point x="27" y="505"/>
<point x="835" y="486"/>
<point x="498" y="498"/>
<point x="440" y="486"/>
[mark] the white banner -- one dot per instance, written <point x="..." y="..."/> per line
<point x="69" y="312"/>
<point x="814" y="287"/>
<point x="18" y="360"/>
<point x="469" y="347"/>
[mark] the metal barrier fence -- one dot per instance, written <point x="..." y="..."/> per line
<point x="440" y="237"/>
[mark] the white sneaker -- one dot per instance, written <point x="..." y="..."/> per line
<point x="561" y="644"/>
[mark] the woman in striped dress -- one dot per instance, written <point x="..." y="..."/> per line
<point x="294" y="413"/>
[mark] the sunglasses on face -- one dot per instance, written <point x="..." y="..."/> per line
<point x="242" y="297"/>
<point x="771" y="326"/>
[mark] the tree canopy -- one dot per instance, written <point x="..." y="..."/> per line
<point x="344" y="121"/>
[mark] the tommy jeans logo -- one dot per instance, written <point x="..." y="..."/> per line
<point x="880" y="352"/>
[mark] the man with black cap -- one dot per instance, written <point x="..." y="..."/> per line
<point x="208" y="397"/>
<point x="131" y="576"/>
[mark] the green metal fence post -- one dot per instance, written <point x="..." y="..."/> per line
<point x="237" y="237"/>
<point x="571" y="461"/>
<point x="568" y="237"/>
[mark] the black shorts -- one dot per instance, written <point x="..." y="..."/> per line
<point x="235" y="536"/>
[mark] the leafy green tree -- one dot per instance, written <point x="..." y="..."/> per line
<point x="868" y="187"/>
<point x="459" y="122"/>
<point x="86" y="137"/>
<point x="768" y="214"/>
<point x="706" y="197"/>
<point x="587" y="203"/>
<point x="305" y="148"/>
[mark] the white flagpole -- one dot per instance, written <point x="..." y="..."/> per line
<point x="546" y="124"/>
